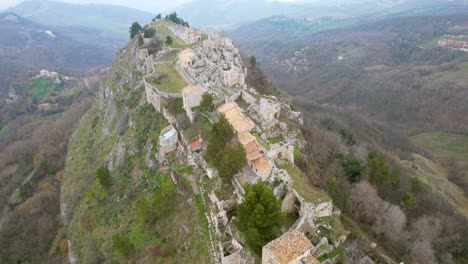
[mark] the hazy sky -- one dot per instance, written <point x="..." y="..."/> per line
<point x="140" y="4"/>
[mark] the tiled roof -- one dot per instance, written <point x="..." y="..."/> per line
<point x="262" y="165"/>
<point x="234" y="115"/>
<point x="246" y="138"/>
<point x="243" y="126"/>
<point x="227" y="106"/>
<point x="289" y="246"/>
<point x="196" y="143"/>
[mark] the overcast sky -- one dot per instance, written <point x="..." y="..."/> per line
<point x="147" y="5"/>
<point x="140" y="4"/>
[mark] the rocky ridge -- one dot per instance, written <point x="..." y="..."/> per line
<point x="214" y="66"/>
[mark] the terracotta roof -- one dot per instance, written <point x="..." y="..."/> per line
<point x="251" y="147"/>
<point x="243" y="126"/>
<point x="196" y="143"/>
<point x="254" y="155"/>
<point x="289" y="246"/>
<point x="191" y="89"/>
<point x="227" y="106"/>
<point x="234" y="115"/>
<point x="246" y="138"/>
<point x="262" y="165"/>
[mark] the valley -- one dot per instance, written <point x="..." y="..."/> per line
<point x="234" y="132"/>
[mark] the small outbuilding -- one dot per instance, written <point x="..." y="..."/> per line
<point x="168" y="140"/>
<point x="292" y="247"/>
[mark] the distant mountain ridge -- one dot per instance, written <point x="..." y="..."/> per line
<point x="229" y="14"/>
<point x="101" y="25"/>
<point x="26" y="46"/>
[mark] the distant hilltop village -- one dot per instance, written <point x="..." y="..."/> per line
<point x="193" y="64"/>
<point x="455" y="43"/>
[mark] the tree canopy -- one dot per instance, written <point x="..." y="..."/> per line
<point x="207" y="102"/>
<point x="135" y="29"/>
<point x="259" y="216"/>
<point x="253" y="61"/>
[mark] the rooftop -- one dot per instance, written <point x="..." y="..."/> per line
<point x="246" y="138"/>
<point x="251" y="147"/>
<point x="289" y="246"/>
<point x="262" y="165"/>
<point x="227" y="106"/>
<point x="243" y="126"/>
<point x="234" y="115"/>
<point x="196" y="143"/>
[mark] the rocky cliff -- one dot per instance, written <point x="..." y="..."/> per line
<point x="147" y="128"/>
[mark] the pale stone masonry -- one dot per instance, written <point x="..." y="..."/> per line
<point x="192" y="96"/>
<point x="168" y="140"/>
<point x="292" y="247"/>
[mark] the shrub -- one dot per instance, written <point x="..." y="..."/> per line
<point x="104" y="177"/>
<point x="207" y="104"/>
<point x="353" y="168"/>
<point x="149" y="33"/>
<point x="169" y="40"/>
<point x="123" y="246"/>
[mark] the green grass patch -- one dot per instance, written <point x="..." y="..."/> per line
<point x="332" y="254"/>
<point x="276" y="140"/>
<point x="204" y="37"/>
<point x="171" y="82"/>
<point x="303" y="187"/>
<point x="289" y="220"/>
<point x="40" y="87"/>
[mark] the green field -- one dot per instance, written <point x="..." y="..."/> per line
<point x="172" y="83"/>
<point x="444" y="145"/>
<point x="447" y="170"/>
<point x="40" y="87"/>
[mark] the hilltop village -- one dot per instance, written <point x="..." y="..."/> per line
<point x="267" y="128"/>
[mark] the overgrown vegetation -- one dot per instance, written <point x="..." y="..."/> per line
<point x="176" y="20"/>
<point x="259" y="216"/>
<point x="224" y="155"/>
<point x="135" y="29"/>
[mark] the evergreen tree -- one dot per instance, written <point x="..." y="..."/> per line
<point x="253" y="61"/>
<point x="135" y="29"/>
<point x="169" y="40"/>
<point x="232" y="161"/>
<point x="353" y="168"/>
<point x="207" y="104"/>
<point x="158" y="16"/>
<point x="221" y="134"/>
<point x="259" y="216"/>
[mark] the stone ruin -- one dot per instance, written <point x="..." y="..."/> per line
<point x="217" y="64"/>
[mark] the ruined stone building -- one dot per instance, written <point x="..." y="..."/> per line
<point x="186" y="58"/>
<point x="242" y="125"/>
<point x="192" y="96"/>
<point x="168" y="140"/>
<point x="292" y="247"/>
